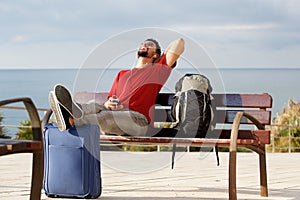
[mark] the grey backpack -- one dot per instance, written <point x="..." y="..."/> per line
<point x="191" y="109"/>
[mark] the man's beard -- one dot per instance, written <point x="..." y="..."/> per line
<point x="143" y="54"/>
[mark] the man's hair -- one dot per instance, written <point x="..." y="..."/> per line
<point x="158" y="49"/>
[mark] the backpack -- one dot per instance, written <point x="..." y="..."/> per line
<point x="191" y="110"/>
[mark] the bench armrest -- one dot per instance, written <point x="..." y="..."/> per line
<point x="33" y="115"/>
<point x="254" y="120"/>
<point x="236" y="125"/>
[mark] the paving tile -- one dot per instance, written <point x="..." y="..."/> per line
<point x="139" y="176"/>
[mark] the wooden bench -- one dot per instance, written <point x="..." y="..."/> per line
<point x="230" y="111"/>
<point x="35" y="146"/>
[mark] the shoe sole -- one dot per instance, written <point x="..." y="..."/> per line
<point x="65" y="100"/>
<point x="57" y="111"/>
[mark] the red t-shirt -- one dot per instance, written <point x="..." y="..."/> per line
<point x="138" y="88"/>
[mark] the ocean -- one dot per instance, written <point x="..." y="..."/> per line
<point x="281" y="83"/>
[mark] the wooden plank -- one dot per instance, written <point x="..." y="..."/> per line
<point x="262" y="136"/>
<point x="19" y="146"/>
<point x="180" y="141"/>
<point x="243" y="100"/>
<point x="222" y="116"/>
<point x="3" y="149"/>
<point x="227" y="100"/>
<point x="165" y="99"/>
<point x="227" y="116"/>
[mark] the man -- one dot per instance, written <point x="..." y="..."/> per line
<point x="130" y="105"/>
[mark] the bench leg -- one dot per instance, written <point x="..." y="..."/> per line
<point x="232" y="176"/>
<point x="263" y="175"/>
<point x="37" y="176"/>
<point x="232" y="155"/>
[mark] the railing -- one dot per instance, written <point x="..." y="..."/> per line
<point x="288" y="143"/>
<point x="17" y="118"/>
<point x="20" y="108"/>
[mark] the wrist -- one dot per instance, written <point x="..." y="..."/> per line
<point x="106" y="105"/>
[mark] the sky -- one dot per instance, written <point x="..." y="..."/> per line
<point x="234" y="33"/>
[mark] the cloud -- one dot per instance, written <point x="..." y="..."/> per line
<point x="19" y="38"/>
<point x="198" y="29"/>
<point x="31" y="25"/>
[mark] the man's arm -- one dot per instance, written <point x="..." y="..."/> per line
<point x="110" y="103"/>
<point x="173" y="51"/>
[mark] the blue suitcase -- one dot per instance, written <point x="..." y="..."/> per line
<point x="72" y="162"/>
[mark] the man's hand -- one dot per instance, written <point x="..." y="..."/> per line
<point x="112" y="104"/>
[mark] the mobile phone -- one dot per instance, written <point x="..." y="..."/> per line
<point x="115" y="101"/>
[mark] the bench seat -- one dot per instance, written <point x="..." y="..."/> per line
<point x="8" y="146"/>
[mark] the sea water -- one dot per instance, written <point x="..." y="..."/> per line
<point x="281" y="83"/>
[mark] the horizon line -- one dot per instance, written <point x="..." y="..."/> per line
<point x="94" y="68"/>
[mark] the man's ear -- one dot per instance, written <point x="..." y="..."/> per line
<point x="156" y="58"/>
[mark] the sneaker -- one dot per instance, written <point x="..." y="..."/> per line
<point x="61" y="122"/>
<point x="66" y="101"/>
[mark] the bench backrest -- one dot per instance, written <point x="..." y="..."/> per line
<point x="225" y="107"/>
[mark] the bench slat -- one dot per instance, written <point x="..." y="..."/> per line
<point x="222" y="116"/>
<point x="14" y="146"/>
<point x="263" y="136"/>
<point x="179" y="141"/>
<point x="262" y="101"/>
<point x="263" y="116"/>
<point x="228" y="100"/>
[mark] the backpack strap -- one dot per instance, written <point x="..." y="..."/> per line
<point x="217" y="155"/>
<point x="173" y="156"/>
<point x="177" y="111"/>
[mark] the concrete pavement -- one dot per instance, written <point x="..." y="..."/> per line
<point x="140" y="176"/>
